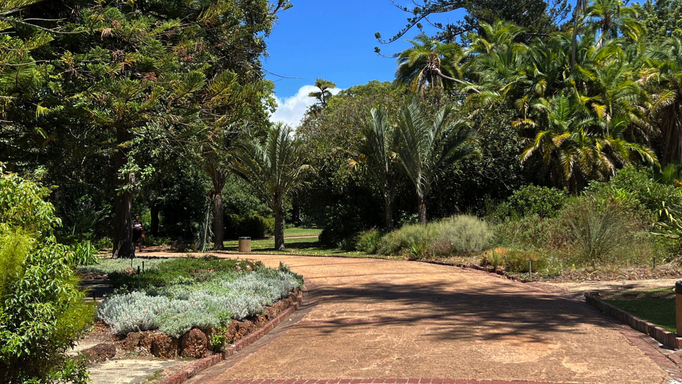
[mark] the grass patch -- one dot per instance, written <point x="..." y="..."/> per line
<point x="165" y="272"/>
<point x="306" y="246"/>
<point x="656" y="306"/>
<point x="302" y="232"/>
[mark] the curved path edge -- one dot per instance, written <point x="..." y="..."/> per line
<point x="250" y="339"/>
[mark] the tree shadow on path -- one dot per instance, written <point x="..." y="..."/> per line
<point x="484" y="314"/>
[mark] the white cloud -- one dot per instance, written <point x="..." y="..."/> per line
<point x="290" y="110"/>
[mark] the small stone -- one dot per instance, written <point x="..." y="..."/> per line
<point x="194" y="344"/>
<point x="100" y="352"/>
<point x="164" y="346"/>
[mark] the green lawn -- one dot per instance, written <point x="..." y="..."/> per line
<point x="656" y="306"/>
<point x="304" y="246"/>
<point x="302" y="232"/>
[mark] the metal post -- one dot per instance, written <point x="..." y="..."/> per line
<point x="138" y="277"/>
<point x="142" y="266"/>
<point x="678" y="306"/>
<point x="530" y="269"/>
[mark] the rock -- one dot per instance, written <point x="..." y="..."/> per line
<point x="261" y="320"/>
<point x="164" y="346"/>
<point x="146" y="340"/>
<point x="132" y="341"/>
<point x="194" y="344"/>
<point x="100" y="352"/>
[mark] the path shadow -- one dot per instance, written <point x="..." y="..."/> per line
<point x="470" y="313"/>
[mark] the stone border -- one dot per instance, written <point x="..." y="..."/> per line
<point x="664" y="337"/>
<point x="234" y="348"/>
<point x="381" y="381"/>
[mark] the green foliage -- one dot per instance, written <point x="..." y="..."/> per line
<point x="41" y="308"/>
<point x="461" y="234"/>
<point x="177" y="271"/>
<point x="274" y="167"/>
<point x="534" y="200"/>
<point x="23" y="206"/>
<point x="603" y="232"/>
<point x="520" y="261"/>
<point x="368" y="241"/>
<point x="84" y="253"/>
<point x="528" y="231"/>
<point x="256" y="226"/>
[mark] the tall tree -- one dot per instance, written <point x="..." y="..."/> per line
<point x="322" y="95"/>
<point x="274" y="169"/>
<point x="128" y="74"/>
<point x="537" y="16"/>
<point x="426" y="146"/>
<point x="378" y="156"/>
<point x="429" y="63"/>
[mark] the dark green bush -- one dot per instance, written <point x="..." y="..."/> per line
<point x="255" y="226"/>
<point x="534" y="200"/>
<point x="368" y="241"/>
<point x="41" y="308"/>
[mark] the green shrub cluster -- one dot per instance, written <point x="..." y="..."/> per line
<point x="534" y="200"/>
<point x="255" y="226"/>
<point x="186" y="270"/>
<point x="41" y="308"/>
<point x="460" y="234"/>
<point x="368" y="241"/>
<point x="610" y="223"/>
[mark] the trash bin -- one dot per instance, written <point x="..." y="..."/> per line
<point x="245" y="244"/>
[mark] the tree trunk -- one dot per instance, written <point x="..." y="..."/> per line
<point x="123" y="202"/>
<point x="218" y="227"/>
<point x="154" y="225"/>
<point x="279" y="224"/>
<point x="389" y="213"/>
<point x="421" y="206"/>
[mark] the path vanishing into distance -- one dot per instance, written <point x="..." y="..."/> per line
<point x="381" y="320"/>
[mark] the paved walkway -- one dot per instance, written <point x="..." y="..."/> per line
<point x="378" y="319"/>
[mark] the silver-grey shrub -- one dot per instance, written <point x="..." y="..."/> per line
<point x="176" y="309"/>
<point x="460" y="234"/>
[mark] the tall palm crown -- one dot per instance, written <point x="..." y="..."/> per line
<point x="274" y="168"/>
<point x="426" y="146"/>
<point x="429" y="63"/>
<point x="377" y="152"/>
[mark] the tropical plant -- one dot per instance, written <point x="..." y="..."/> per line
<point x="425" y="147"/>
<point x="429" y="63"/>
<point x="274" y="169"/>
<point x="377" y="154"/>
<point x="42" y="311"/>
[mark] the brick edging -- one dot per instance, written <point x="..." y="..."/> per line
<point x="664" y="337"/>
<point x="210" y="361"/>
<point x="382" y="381"/>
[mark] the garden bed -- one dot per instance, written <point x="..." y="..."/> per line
<point x="190" y="307"/>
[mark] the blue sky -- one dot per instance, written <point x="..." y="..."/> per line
<point x="333" y="40"/>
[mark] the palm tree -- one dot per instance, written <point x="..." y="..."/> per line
<point x="426" y="147"/>
<point x="665" y="79"/>
<point x="274" y="168"/>
<point x="376" y="153"/>
<point x="574" y="146"/>
<point x="429" y="63"/>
